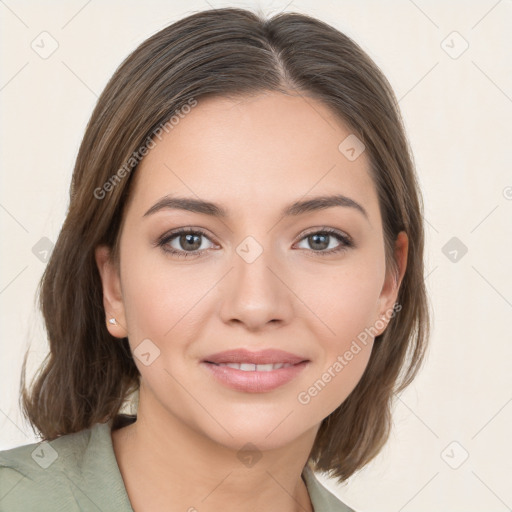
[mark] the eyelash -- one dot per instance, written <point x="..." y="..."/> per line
<point x="346" y="242"/>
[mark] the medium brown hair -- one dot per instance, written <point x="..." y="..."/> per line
<point x="228" y="52"/>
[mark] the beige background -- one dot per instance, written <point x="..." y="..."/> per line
<point x="458" y="112"/>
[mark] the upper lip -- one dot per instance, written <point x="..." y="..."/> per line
<point x="268" y="356"/>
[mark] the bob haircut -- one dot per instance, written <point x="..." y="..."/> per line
<point x="87" y="375"/>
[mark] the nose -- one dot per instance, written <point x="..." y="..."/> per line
<point x="255" y="293"/>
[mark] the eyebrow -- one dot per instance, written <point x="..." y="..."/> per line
<point x="294" y="209"/>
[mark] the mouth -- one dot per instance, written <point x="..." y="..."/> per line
<point x="250" y="367"/>
<point x="262" y="360"/>
<point x="254" y="372"/>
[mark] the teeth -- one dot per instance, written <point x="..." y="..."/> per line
<point x="248" y="367"/>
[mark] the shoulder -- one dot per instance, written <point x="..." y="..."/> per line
<point x="47" y="475"/>
<point x="321" y="498"/>
<point x="52" y="455"/>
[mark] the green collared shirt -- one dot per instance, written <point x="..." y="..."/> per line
<point x="79" y="473"/>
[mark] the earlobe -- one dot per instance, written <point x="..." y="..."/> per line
<point x="112" y="294"/>
<point x="389" y="293"/>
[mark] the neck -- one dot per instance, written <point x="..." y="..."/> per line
<point x="166" y="465"/>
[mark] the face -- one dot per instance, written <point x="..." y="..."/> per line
<point x="308" y="282"/>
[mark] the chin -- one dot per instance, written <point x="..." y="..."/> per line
<point x="264" y="433"/>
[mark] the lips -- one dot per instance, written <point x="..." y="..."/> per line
<point x="254" y="372"/>
<point x="262" y="357"/>
<point x="249" y="367"/>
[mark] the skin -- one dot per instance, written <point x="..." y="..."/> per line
<point x="253" y="156"/>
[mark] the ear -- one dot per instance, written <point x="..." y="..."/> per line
<point x="112" y="294"/>
<point x="391" y="287"/>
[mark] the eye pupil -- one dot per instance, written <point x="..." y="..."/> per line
<point x="187" y="239"/>
<point x="323" y="244"/>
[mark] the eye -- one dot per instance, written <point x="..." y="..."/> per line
<point x="184" y="242"/>
<point x="321" y="240"/>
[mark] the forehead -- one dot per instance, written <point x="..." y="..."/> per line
<point x="252" y="153"/>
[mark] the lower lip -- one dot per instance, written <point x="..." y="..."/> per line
<point x="254" y="381"/>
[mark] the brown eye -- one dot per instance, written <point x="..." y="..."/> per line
<point x="190" y="241"/>
<point x="184" y="242"/>
<point x="320" y="241"/>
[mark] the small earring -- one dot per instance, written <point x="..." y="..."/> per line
<point x="112" y="321"/>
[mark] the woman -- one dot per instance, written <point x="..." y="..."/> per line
<point x="244" y="250"/>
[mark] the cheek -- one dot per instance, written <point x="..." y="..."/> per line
<point x="146" y="297"/>
<point x="345" y="299"/>
<point x="346" y="303"/>
<point x="343" y="354"/>
<point x="160" y="298"/>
